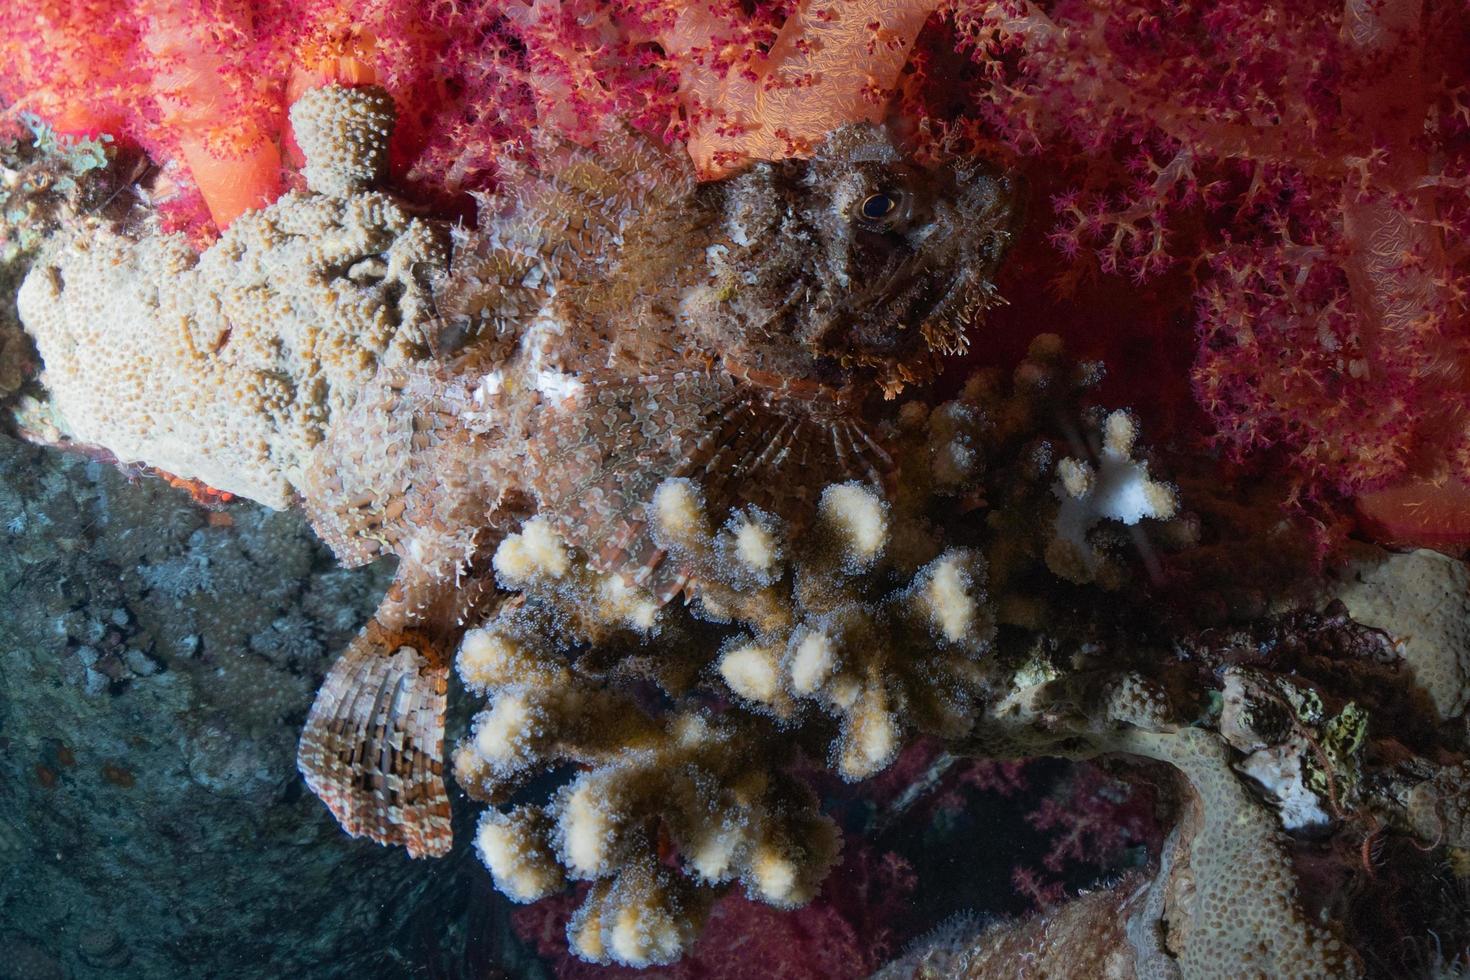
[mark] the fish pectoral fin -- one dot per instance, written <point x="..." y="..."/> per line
<point x="373" y="745"/>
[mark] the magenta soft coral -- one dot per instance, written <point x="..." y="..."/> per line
<point x="854" y="925"/>
<point x="1302" y="167"/>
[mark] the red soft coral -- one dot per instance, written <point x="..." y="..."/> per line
<point x="849" y="930"/>
<point x="1301" y="167"/>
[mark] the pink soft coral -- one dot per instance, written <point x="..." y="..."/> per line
<point x="1299" y="169"/>
<point x="206" y="82"/>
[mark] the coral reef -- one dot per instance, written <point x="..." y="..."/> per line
<point x="884" y="620"/>
<point x="1287" y="178"/>
<point x="675" y="479"/>
<point x="205" y="90"/>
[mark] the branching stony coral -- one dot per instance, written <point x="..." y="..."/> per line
<point x="846" y="638"/>
<point x="957" y="608"/>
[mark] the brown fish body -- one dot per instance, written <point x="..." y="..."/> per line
<point x="610" y="325"/>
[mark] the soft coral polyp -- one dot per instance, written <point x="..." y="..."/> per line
<point x="207" y="81"/>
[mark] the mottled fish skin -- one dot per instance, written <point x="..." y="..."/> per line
<point x="610" y="324"/>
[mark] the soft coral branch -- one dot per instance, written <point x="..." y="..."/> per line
<point x="1299" y="164"/>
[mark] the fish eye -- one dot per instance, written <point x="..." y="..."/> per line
<point x="876" y="207"/>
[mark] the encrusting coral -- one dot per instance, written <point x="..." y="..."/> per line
<point x="229" y="366"/>
<point x="1422" y="600"/>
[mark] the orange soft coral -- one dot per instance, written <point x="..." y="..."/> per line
<point x="205" y="82"/>
<point x="833" y="62"/>
<point x="202" y="91"/>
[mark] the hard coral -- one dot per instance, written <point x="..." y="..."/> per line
<point x="229" y="366"/>
<point x="879" y="620"/>
<point x="1422" y="600"/>
<point x="847" y="636"/>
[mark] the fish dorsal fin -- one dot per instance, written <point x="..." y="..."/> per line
<point x="575" y="205"/>
<point x="572" y="218"/>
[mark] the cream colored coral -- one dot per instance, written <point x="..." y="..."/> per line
<point x="1236" y="903"/>
<point x="229" y="366"/>
<point x="877" y="614"/>
<point x="1422" y="600"/>
<point x="855" y="519"/>
<point x="694" y="775"/>
<point x="882" y="668"/>
<point x="645" y="917"/>
<point x="1117" y="489"/>
<point x="534" y="553"/>
<point x="508" y="843"/>
<point x="344" y="134"/>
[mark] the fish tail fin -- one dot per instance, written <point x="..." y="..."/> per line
<point x="373" y="745"/>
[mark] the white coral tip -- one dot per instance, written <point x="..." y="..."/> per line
<point x="501" y="734"/>
<point x="712" y="855"/>
<point x="813" y="661"/>
<point x="1077" y="478"/>
<point x="537" y="552"/>
<point x="751" y="671"/>
<point x="949" y="596"/>
<point x="873" y="737"/>
<point x="859" y="518"/>
<point x="523" y="868"/>
<point x="645" y="932"/>
<point x="678" y="512"/>
<point x="487" y="658"/>
<point x="756" y="547"/>
<point x="587" y="825"/>
<point x="619" y="603"/>
<point x="1120" y="432"/>
<point x="775" y="876"/>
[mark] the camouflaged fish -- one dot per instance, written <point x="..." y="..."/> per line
<point x="611" y="323"/>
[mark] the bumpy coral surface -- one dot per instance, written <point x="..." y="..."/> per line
<point x="1422" y="600"/>
<point x="228" y="367"/>
<point x="859" y="631"/>
<point x="882" y="620"/>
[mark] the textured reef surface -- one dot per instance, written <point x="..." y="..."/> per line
<point x="735" y="483"/>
